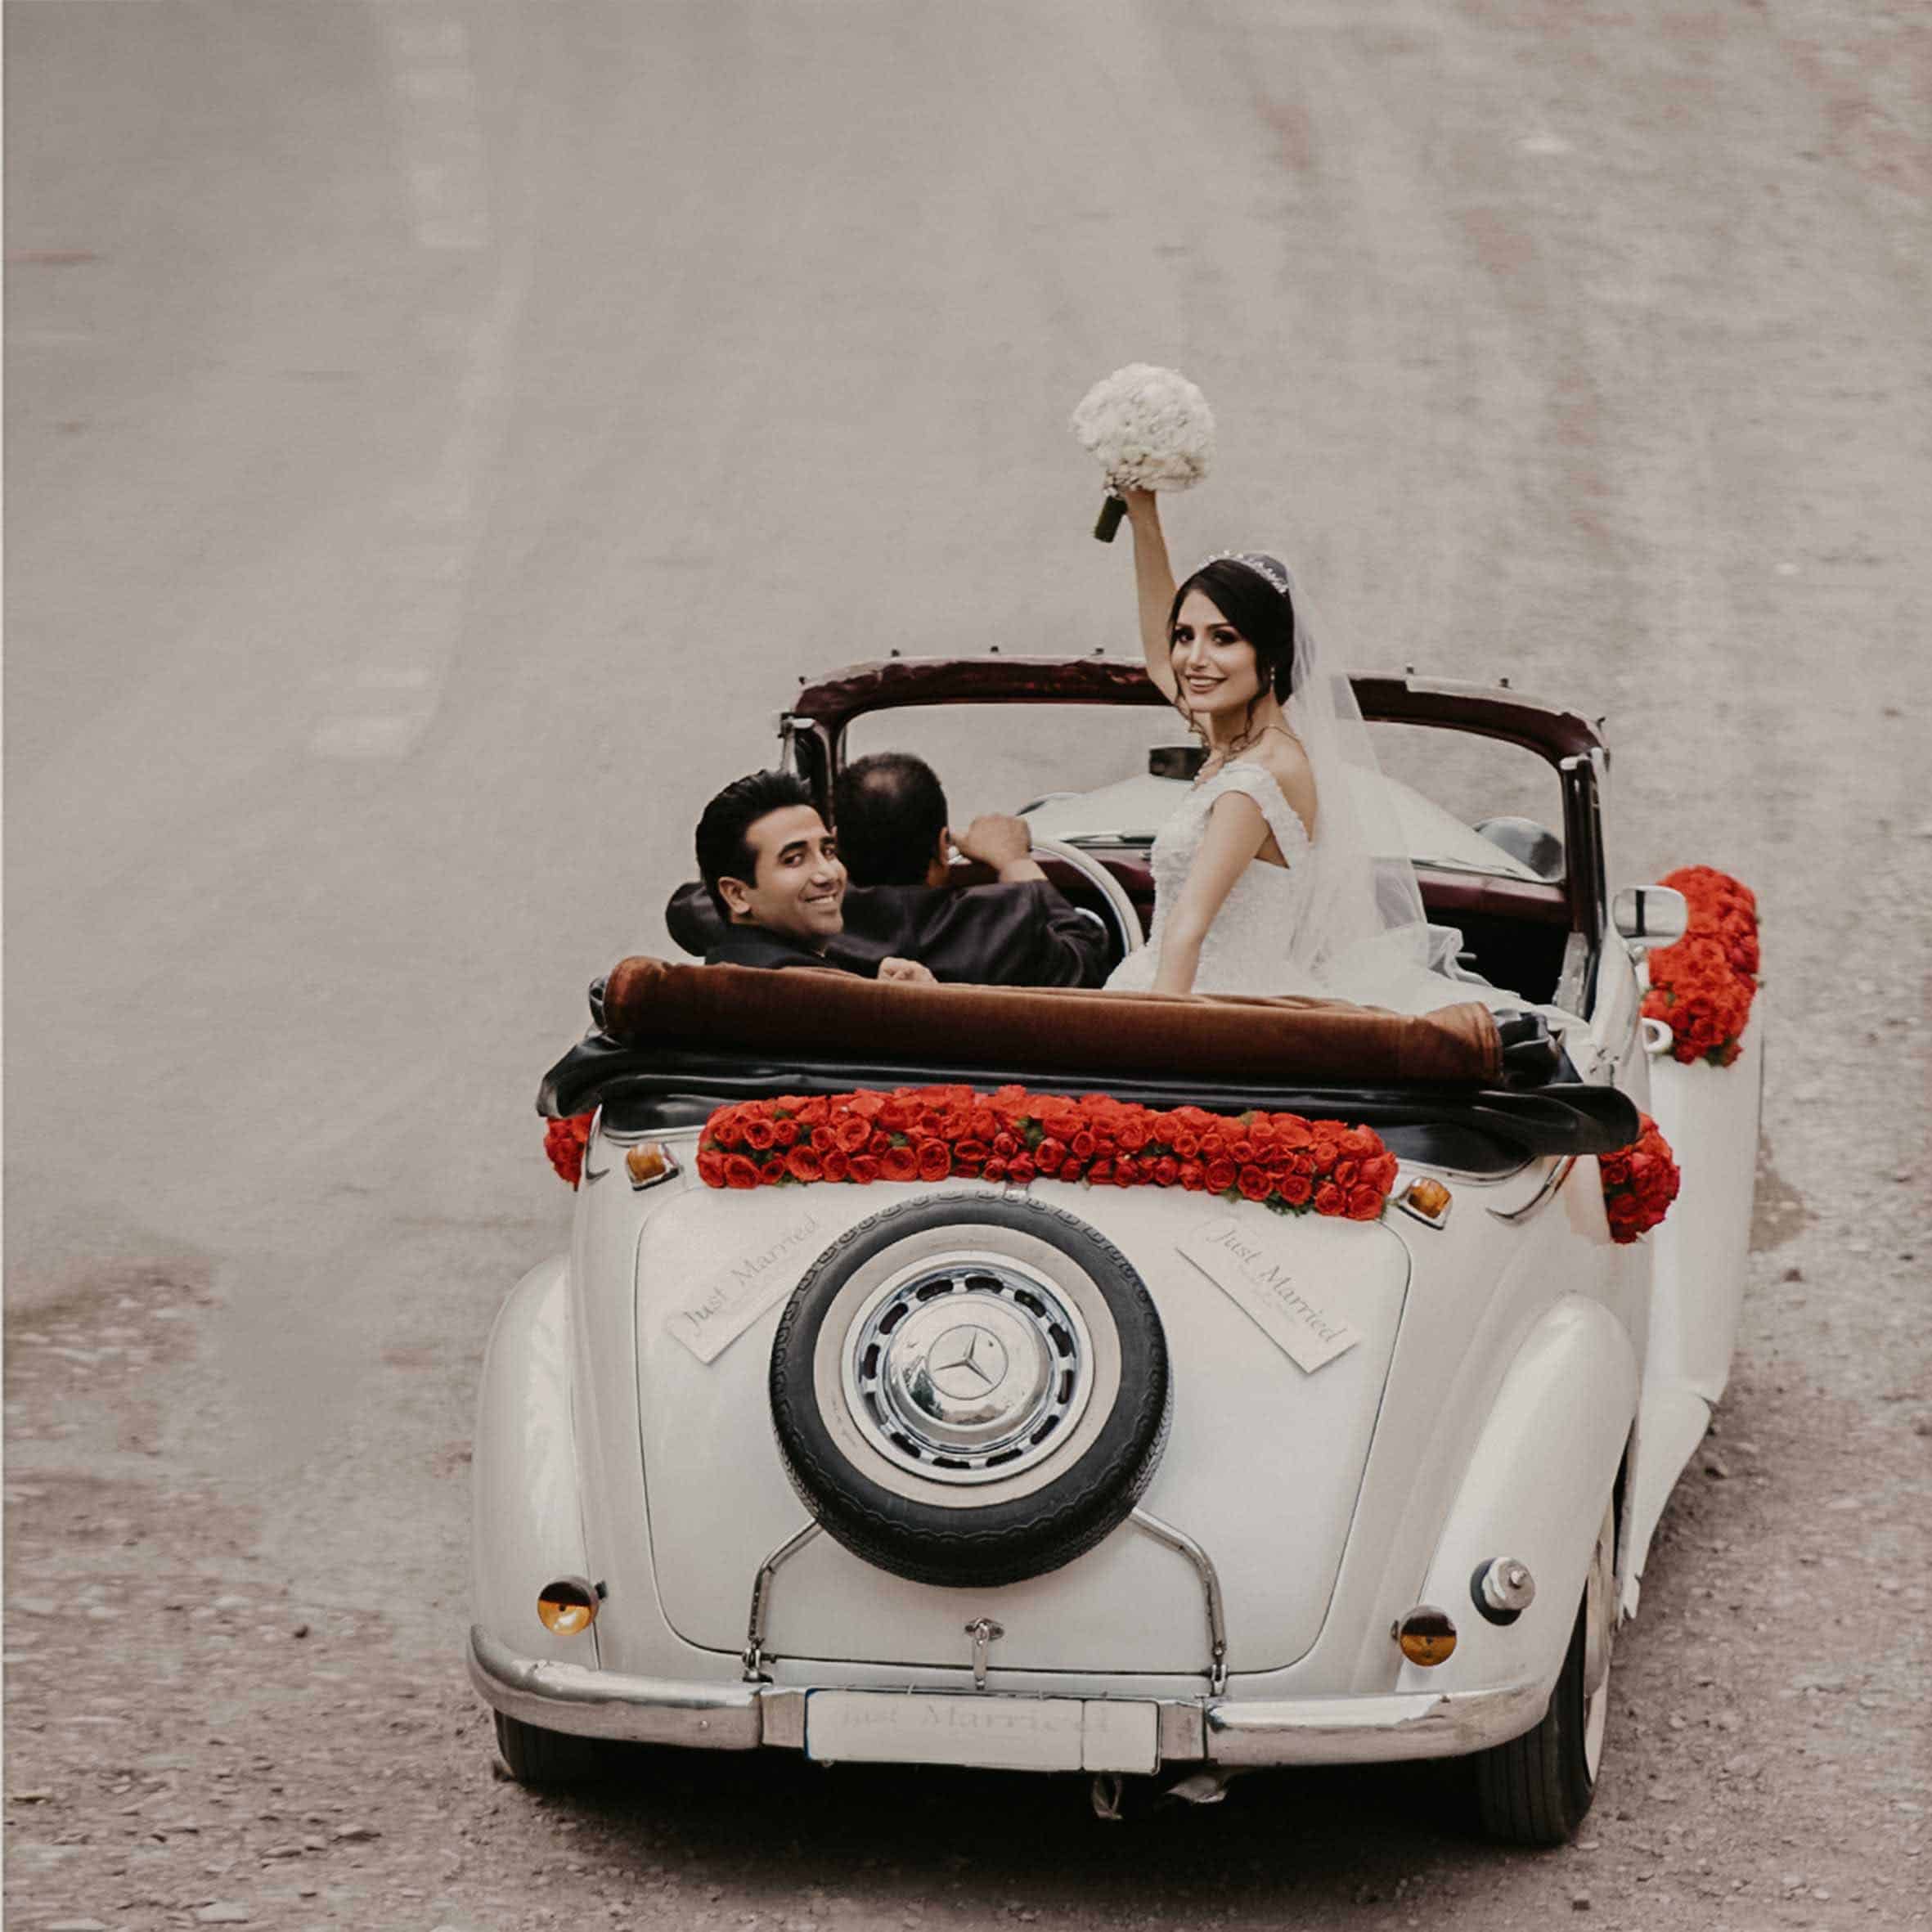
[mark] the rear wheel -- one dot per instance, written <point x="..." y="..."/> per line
<point x="540" y="1757"/>
<point x="1536" y="1789"/>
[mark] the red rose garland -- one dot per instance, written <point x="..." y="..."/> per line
<point x="564" y="1141"/>
<point x="1639" y="1184"/>
<point x="1702" y="987"/>
<point x="1289" y="1164"/>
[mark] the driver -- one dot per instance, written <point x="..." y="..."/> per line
<point x="891" y="814"/>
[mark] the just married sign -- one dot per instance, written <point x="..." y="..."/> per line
<point x="1247" y="1268"/>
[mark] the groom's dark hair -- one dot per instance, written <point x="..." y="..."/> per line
<point x="1262" y="613"/>
<point x="889" y="810"/>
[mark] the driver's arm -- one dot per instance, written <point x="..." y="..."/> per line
<point x="1002" y="842"/>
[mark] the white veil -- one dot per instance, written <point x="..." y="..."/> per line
<point x="1364" y="933"/>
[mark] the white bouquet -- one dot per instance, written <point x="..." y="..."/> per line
<point x="1151" y="429"/>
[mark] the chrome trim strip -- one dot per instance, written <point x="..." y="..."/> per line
<point x="1558" y="1173"/>
<point x="1210" y="1586"/>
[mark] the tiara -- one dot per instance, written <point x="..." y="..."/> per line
<point x="1270" y="569"/>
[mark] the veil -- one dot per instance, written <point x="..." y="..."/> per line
<point x="1364" y="930"/>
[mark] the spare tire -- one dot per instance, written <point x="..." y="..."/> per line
<point x="970" y="1391"/>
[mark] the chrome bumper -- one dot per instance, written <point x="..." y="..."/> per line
<point x="730" y="1717"/>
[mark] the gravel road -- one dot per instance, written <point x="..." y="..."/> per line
<point x="439" y="435"/>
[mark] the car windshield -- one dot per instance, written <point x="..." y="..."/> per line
<point x="1080" y="773"/>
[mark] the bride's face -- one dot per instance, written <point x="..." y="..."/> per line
<point x="1213" y="663"/>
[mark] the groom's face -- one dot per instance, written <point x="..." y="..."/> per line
<point x="797" y="884"/>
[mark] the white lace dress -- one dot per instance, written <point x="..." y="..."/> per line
<point x="1252" y="946"/>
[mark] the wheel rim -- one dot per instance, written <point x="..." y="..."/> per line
<point x="1600" y="1624"/>
<point x="965" y="1368"/>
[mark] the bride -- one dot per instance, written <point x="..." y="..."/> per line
<point x="1282" y="872"/>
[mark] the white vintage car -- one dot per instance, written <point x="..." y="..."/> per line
<point x="1142" y="1483"/>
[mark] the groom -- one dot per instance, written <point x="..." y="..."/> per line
<point x="773" y="875"/>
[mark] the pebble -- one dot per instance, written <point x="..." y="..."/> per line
<point x="221" y="1912"/>
<point x="356" y="1834"/>
<point x="1579" y="1901"/>
<point x="76" y="1925"/>
<point x="1713" y="1467"/>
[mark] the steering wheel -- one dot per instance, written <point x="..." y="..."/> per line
<point x="1126" y="921"/>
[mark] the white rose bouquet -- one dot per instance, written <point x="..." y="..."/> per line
<point x="1151" y="429"/>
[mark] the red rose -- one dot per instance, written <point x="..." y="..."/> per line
<point x="784" y="1133"/>
<point x="899" y="1163"/>
<point x="1082" y="1144"/>
<point x="1347" y="1174"/>
<point x="837" y="1167"/>
<point x="935" y="1161"/>
<point x="897" y="1115"/>
<point x="864" y="1168"/>
<point x="1101" y="1172"/>
<point x="759" y="1133"/>
<point x="995" y="1169"/>
<point x="803" y="1164"/>
<point x="740" y="1172"/>
<point x="1132" y="1134"/>
<point x="1049" y="1154"/>
<point x="1364" y="1204"/>
<point x="1254" y="1183"/>
<point x="1220" y="1174"/>
<point x="564" y="1141"/>
<point x="1186" y="1144"/>
<point x="771" y="1174"/>
<point x="1296" y="1189"/>
<point x="971" y="1153"/>
<point x="1329" y="1199"/>
<point x="851" y="1132"/>
<point x="879" y="1144"/>
<point x="866" y="1105"/>
<point x="710" y="1168"/>
<point x="1167" y="1171"/>
<point x="1192" y="1176"/>
<point x="1021" y="1169"/>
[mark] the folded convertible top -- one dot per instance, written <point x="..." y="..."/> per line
<point x="822" y="1016"/>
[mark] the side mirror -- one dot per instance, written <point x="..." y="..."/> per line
<point x="1649" y="916"/>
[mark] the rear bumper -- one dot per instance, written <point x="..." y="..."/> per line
<point x="741" y="1717"/>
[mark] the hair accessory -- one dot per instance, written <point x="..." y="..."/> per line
<point x="1271" y="570"/>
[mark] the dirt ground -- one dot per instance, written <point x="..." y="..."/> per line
<point x="377" y="514"/>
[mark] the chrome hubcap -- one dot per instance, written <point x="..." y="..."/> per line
<point x="967" y="1368"/>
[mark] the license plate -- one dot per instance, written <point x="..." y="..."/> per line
<point x="993" y="1732"/>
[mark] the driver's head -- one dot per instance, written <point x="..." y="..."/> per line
<point x="768" y="860"/>
<point x="891" y="813"/>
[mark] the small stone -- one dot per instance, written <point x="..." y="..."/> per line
<point x="283" y="1851"/>
<point x="1579" y="1901"/>
<point x="1821" y="1891"/>
<point x="1794" y="1273"/>
<point x="221" y="1912"/>
<point x="30" y="1797"/>
<point x="356" y="1834"/>
<point x="1713" y="1467"/>
<point x="76" y="1925"/>
<point x="300" y="1630"/>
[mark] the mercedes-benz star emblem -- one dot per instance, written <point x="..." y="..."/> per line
<point x="966" y="1361"/>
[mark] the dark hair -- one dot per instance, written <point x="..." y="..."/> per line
<point x="724" y="851"/>
<point x="1263" y="614"/>
<point x="890" y="809"/>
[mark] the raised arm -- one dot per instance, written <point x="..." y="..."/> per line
<point x="1153" y="583"/>
<point x="1236" y="831"/>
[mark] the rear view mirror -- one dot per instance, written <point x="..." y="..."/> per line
<point x="1648" y="916"/>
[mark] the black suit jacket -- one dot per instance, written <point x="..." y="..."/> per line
<point x="757" y="945"/>
<point x="1020" y="934"/>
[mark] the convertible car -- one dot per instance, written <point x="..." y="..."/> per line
<point x="1151" y="1389"/>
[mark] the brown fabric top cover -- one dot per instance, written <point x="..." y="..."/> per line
<point x="1068" y="1029"/>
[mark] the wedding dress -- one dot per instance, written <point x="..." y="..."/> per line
<point x="1343" y="918"/>
<point x="1252" y="946"/>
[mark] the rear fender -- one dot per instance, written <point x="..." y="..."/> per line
<point x="1535" y="1489"/>
<point x="527" y="1527"/>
